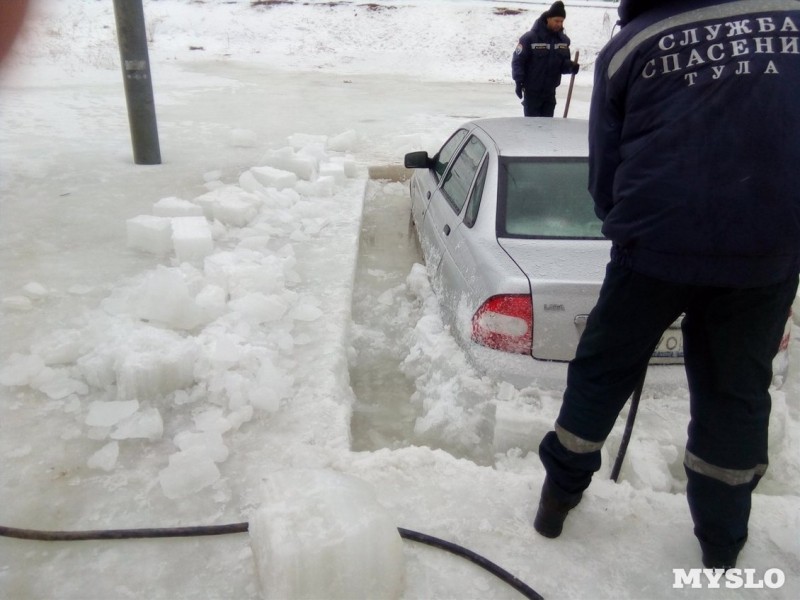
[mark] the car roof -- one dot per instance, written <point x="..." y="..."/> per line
<point x="536" y="136"/>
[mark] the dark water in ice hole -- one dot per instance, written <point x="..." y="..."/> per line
<point x="383" y="415"/>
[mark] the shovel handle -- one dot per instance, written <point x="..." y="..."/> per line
<point x="571" y="83"/>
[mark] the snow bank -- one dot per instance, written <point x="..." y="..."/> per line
<point x="212" y="331"/>
<point x="348" y="37"/>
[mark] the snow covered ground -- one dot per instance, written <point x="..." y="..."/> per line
<point x="163" y="369"/>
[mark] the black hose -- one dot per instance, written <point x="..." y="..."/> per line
<point x="479" y="560"/>
<point x="626" y="435"/>
<point x="123" y="534"/>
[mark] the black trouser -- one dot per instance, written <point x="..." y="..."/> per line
<point x="730" y="338"/>
<point x="539" y="105"/>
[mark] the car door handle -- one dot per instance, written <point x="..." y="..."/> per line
<point x="446" y="229"/>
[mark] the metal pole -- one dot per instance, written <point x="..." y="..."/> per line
<point x="571" y="83"/>
<point x="138" y="85"/>
<point x="626" y="435"/>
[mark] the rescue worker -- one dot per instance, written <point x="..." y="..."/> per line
<point x="701" y="202"/>
<point x="541" y="57"/>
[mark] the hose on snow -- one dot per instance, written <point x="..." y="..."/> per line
<point x="415" y="536"/>
<point x="204" y="530"/>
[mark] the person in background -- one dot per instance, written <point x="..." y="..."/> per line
<point x="541" y="57"/>
<point x="702" y="205"/>
<point x="12" y="14"/>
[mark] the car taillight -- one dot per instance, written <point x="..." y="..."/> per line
<point x="505" y="323"/>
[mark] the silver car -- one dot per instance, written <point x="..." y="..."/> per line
<point x="513" y="248"/>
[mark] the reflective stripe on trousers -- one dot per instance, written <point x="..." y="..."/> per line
<point x="575" y="444"/>
<point x="578" y="445"/>
<point x="729" y="476"/>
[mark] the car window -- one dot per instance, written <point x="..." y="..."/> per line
<point x="444" y="155"/>
<point x="475" y="196"/>
<point x="546" y="198"/>
<point x="459" y="178"/>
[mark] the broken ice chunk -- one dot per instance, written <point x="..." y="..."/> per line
<point x="188" y="472"/>
<point x="106" y="414"/>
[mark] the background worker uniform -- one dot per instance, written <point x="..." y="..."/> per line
<point x="541" y="57"/>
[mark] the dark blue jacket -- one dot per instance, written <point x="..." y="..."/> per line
<point x="540" y="59"/>
<point x="695" y="140"/>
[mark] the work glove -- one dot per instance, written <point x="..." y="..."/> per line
<point x="518" y="90"/>
<point x="575" y="68"/>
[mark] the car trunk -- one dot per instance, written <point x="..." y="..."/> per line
<point x="565" y="278"/>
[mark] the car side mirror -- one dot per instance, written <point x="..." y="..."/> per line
<point x="418" y="160"/>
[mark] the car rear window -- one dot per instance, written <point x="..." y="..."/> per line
<point x="546" y="198"/>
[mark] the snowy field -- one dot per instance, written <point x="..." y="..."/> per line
<point x="178" y="341"/>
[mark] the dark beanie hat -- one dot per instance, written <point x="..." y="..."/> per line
<point x="556" y="10"/>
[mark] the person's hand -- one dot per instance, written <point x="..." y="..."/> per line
<point x="518" y="90"/>
<point x="575" y="67"/>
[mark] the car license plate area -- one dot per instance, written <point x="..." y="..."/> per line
<point x="670" y="345"/>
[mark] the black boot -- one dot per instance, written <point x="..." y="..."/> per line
<point x="714" y="562"/>
<point x="717" y="557"/>
<point x="553" y="508"/>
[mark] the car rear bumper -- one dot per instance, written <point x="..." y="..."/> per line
<point x="523" y="371"/>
